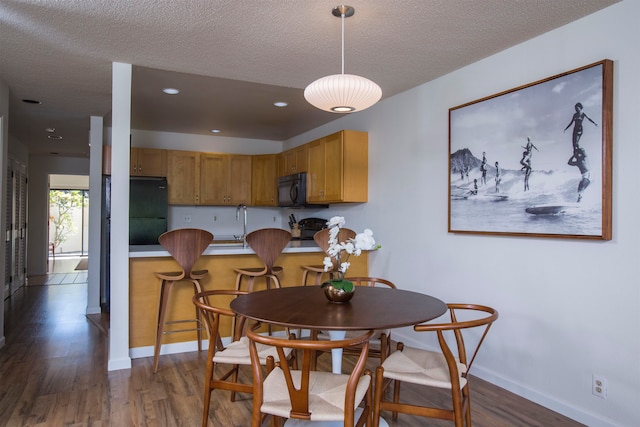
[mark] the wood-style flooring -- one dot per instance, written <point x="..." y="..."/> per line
<point x="53" y="372"/>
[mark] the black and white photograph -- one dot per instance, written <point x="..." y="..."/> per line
<point x="535" y="160"/>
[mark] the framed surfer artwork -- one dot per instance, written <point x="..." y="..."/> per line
<point x="535" y="160"/>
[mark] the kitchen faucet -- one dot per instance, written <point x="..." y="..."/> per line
<point x="242" y="207"/>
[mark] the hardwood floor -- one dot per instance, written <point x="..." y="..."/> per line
<point x="53" y="373"/>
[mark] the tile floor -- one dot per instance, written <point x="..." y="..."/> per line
<point x="61" y="272"/>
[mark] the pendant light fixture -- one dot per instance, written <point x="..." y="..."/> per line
<point x="342" y="93"/>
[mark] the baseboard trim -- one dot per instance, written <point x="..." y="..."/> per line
<point x="93" y="310"/>
<point x="119" y="364"/>
<point x="180" y="347"/>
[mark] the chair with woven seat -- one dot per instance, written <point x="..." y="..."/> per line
<point x="445" y="369"/>
<point x="305" y="395"/>
<point x="322" y="240"/>
<point x="214" y="306"/>
<point x="185" y="245"/>
<point x="268" y="244"/>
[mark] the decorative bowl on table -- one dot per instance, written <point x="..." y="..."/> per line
<point x="338" y="291"/>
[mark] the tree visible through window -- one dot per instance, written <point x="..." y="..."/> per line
<point x="64" y="208"/>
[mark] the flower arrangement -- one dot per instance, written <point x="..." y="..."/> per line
<point x="336" y="252"/>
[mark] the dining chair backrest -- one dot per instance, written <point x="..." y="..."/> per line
<point x="268" y="244"/>
<point x="292" y="393"/>
<point x="322" y="240"/>
<point x="186" y="245"/>
<point x="457" y="327"/>
<point x="214" y="306"/>
<point x="371" y="282"/>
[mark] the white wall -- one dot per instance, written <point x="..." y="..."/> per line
<point x="568" y="308"/>
<point x="203" y="143"/>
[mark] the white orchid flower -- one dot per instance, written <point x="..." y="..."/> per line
<point x="362" y="242"/>
<point x="365" y="240"/>
<point x="336" y="221"/>
<point x="328" y="264"/>
<point x="344" y="266"/>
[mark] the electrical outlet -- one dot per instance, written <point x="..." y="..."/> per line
<point x="274" y="219"/>
<point x="187" y="219"/>
<point x="599" y="386"/>
<point x="215" y="218"/>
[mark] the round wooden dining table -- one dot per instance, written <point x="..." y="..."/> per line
<point x="371" y="308"/>
<point x="306" y="307"/>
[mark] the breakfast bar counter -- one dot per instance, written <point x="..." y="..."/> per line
<point x="220" y="259"/>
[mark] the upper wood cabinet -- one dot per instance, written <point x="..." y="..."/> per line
<point x="294" y="160"/>
<point x="264" y="180"/>
<point x="183" y="177"/>
<point x="148" y="162"/>
<point x="106" y="160"/>
<point x="225" y="179"/>
<point x="338" y="168"/>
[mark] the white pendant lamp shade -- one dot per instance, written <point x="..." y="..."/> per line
<point x="342" y="93"/>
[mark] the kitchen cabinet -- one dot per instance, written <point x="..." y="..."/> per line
<point x="264" y="180"/>
<point x="294" y="160"/>
<point x="106" y="160"/>
<point x="225" y="179"/>
<point x="148" y="162"/>
<point x="338" y="168"/>
<point x="183" y="177"/>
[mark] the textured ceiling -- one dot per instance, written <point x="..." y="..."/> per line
<point x="234" y="58"/>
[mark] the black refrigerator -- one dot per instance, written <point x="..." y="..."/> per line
<point x="148" y="208"/>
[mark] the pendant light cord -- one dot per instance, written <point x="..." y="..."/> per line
<point x="342" y="15"/>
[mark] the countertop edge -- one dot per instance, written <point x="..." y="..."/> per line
<point x="150" y="251"/>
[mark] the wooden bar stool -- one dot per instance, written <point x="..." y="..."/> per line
<point x="268" y="244"/>
<point x="185" y="246"/>
<point x="322" y="240"/>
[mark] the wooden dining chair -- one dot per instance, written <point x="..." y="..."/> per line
<point x="224" y="325"/>
<point x="305" y="394"/>
<point x="185" y="245"/>
<point x="322" y="240"/>
<point x="446" y="369"/>
<point x="268" y="244"/>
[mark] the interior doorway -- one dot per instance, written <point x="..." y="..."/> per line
<point x="68" y="223"/>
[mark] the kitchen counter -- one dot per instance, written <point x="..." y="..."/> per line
<point x="222" y="247"/>
<point x="220" y="258"/>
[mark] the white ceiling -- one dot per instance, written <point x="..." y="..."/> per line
<point x="233" y="58"/>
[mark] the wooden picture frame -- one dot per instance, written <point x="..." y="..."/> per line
<point x="535" y="160"/>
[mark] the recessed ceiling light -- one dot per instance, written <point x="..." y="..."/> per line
<point x="280" y="104"/>
<point x="54" y="137"/>
<point x="215" y="131"/>
<point x="50" y="130"/>
<point x="170" y="91"/>
<point x="31" y="101"/>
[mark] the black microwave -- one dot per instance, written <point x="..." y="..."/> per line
<point x="292" y="190"/>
